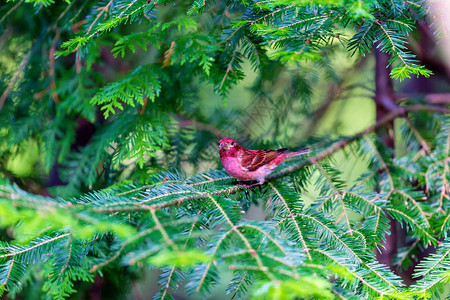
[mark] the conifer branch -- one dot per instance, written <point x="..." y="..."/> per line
<point x="434" y="269"/>
<point x="165" y="289"/>
<point x="235" y="228"/>
<point x="410" y="220"/>
<point x="366" y="200"/>
<point x="102" y="10"/>
<point x="338" y="195"/>
<point x="69" y="256"/>
<point x="322" y="18"/>
<point x="142" y="255"/>
<point x="384" y="166"/>
<point x="37" y="245"/>
<point x="266" y="235"/>
<point x="186" y="226"/>
<point x="213" y="254"/>
<point x="272" y="13"/>
<point x="407" y="254"/>
<point x="11" y="264"/>
<point x="418" y="136"/>
<point x="377" y="223"/>
<point x="348" y="249"/>
<point x="161" y="229"/>
<point x="15" y="78"/>
<point x="291" y="215"/>
<point x="430" y="284"/>
<point x="122" y="248"/>
<point x="417" y="205"/>
<point x="197" y="195"/>
<point x="442" y="258"/>
<point x="445" y="223"/>
<point x="10" y="11"/>
<point x="354" y="274"/>
<point x="445" y="188"/>
<point x="229" y="67"/>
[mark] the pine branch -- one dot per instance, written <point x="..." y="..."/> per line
<point x="14" y="252"/>
<point x="382" y="162"/>
<point x="423" y="215"/>
<point x="434" y="270"/>
<point x="15" y="78"/>
<point x="229" y="68"/>
<point x="391" y="281"/>
<point x="399" y="215"/>
<point x="291" y="215"/>
<point x="102" y="10"/>
<point x="339" y="196"/>
<point x="122" y="248"/>
<point x="10" y="11"/>
<point x="378" y="290"/>
<point x="234" y="228"/>
<point x="171" y="279"/>
<point x="191" y="227"/>
<point x="194" y="194"/>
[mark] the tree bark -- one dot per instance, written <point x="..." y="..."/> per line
<point x="385" y="103"/>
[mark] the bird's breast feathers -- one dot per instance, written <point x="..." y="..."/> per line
<point x="234" y="167"/>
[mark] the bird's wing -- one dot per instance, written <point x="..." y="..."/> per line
<point x="251" y="160"/>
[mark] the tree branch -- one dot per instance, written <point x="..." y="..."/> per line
<point x="15" y="78"/>
<point x="343" y="143"/>
<point x="399" y="112"/>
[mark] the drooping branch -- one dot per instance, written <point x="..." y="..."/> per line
<point x="202" y="194"/>
<point x="343" y="143"/>
<point x="15" y="78"/>
<point x="401" y="111"/>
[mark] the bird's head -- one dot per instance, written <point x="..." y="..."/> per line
<point x="228" y="146"/>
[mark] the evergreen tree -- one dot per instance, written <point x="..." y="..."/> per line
<point x="109" y="160"/>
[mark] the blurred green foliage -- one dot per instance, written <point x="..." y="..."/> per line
<point x="110" y="114"/>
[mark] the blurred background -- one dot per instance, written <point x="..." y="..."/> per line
<point x="55" y="141"/>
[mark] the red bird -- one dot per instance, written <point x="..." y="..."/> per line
<point x="247" y="165"/>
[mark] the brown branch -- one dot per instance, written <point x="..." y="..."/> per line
<point x="102" y="10"/>
<point x="177" y="201"/>
<point x="335" y="92"/>
<point x="51" y="71"/>
<point x="144" y="104"/>
<point x="433" y="98"/>
<point x="430" y="98"/>
<point x="229" y="68"/>
<point x="401" y="111"/>
<point x="418" y="136"/>
<point x="343" y="143"/>
<point x="184" y="122"/>
<point x="6" y="36"/>
<point x="10" y="11"/>
<point x="16" y="77"/>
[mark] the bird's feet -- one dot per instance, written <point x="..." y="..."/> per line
<point x="246" y="186"/>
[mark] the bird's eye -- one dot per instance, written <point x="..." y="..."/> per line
<point x="232" y="144"/>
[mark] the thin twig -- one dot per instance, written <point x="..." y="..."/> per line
<point x="51" y="64"/>
<point x="10" y="11"/>
<point x="16" y="77"/>
<point x="401" y="111"/>
<point x="229" y="68"/>
<point x="184" y="122"/>
<point x="14" y="253"/>
<point x="418" y="136"/>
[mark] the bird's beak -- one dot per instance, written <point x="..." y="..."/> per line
<point x="223" y="146"/>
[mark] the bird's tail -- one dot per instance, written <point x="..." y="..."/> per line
<point x="299" y="152"/>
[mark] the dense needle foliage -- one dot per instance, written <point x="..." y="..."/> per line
<point x="108" y="93"/>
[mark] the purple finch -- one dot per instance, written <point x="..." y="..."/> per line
<point x="247" y="165"/>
